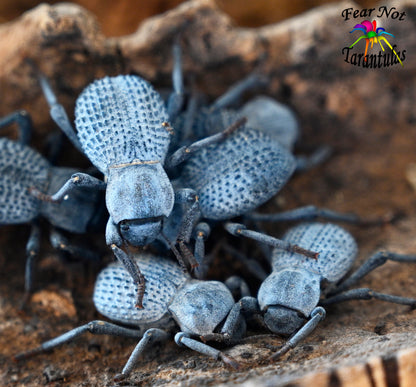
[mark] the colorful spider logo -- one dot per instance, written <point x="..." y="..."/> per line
<point x="372" y="34"/>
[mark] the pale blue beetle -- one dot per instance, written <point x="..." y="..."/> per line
<point x="203" y="310"/>
<point x="297" y="286"/>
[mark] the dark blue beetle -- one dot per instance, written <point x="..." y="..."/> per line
<point x="292" y="293"/>
<point x="203" y="310"/>
<point x="24" y="174"/>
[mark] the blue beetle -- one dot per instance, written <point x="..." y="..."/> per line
<point x="298" y="288"/>
<point x="24" y="174"/>
<point x="204" y="310"/>
<point x="262" y="113"/>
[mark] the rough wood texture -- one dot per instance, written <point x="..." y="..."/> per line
<point x="367" y="115"/>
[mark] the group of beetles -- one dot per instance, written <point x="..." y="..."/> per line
<point x="164" y="172"/>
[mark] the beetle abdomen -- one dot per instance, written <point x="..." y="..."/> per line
<point x="20" y="169"/>
<point x="336" y="247"/>
<point x="119" y="120"/>
<point x="238" y="174"/>
<point x="115" y="294"/>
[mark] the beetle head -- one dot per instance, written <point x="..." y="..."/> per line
<point x="282" y="320"/>
<point x="140" y="232"/>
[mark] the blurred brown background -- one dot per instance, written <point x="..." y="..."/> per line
<point x="123" y="17"/>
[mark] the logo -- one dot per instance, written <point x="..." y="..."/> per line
<point x="374" y="37"/>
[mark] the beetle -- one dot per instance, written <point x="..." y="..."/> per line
<point x="262" y="113"/>
<point x="23" y="173"/>
<point x="279" y="122"/>
<point x="201" y="309"/>
<point x="298" y="288"/>
<point x="206" y="172"/>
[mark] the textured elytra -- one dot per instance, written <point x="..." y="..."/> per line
<point x="20" y="169"/>
<point x="238" y="174"/>
<point x="336" y="246"/>
<point x="115" y="294"/>
<point x="119" y="120"/>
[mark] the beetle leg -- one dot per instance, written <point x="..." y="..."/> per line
<point x="235" y="92"/>
<point x="58" y="113"/>
<point x="188" y="216"/>
<point x="182" y="339"/>
<point x="317" y="315"/>
<point x="202" y="231"/>
<point x="134" y="271"/>
<point x="77" y="180"/>
<point x="61" y="243"/>
<point x="237" y="284"/>
<point x="308" y="213"/>
<point x="190" y="115"/>
<point x="32" y="251"/>
<point x="150" y="336"/>
<point x="185" y="152"/>
<point x="376" y="260"/>
<point x="233" y="328"/>
<point x="241" y="230"/>
<point x="304" y="163"/>
<point x="176" y="99"/>
<point x="252" y="265"/>
<point x="96" y="327"/>
<point x="368" y="294"/>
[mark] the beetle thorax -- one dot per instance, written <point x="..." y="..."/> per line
<point x="295" y="289"/>
<point x="138" y="197"/>
<point x="287" y="297"/>
<point x="200" y="306"/>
